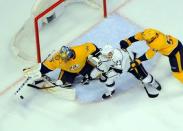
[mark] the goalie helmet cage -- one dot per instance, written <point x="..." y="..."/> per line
<point x="46" y="13"/>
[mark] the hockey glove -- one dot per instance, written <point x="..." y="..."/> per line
<point x="33" y="72"/>
<point x="124" y="44"/>
<point x="94" y="61"/>
<point x="135" y="63"/>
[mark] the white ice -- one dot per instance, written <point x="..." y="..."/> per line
<point x="130" y="109"/>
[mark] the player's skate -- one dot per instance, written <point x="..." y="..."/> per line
<point x="110" y="91"/>
<point x="155" y="84"/>
<point x="152" y="87"/>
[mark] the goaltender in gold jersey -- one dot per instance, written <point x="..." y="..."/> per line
<point x="72" y="61"/>
<point x="166" y="45"/>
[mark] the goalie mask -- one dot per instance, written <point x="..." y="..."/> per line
<point x="66" y="53"/>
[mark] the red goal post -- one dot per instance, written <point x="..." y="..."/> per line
<point x="43" y="13"/>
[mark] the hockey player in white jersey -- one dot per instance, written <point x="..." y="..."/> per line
<point x="113" y="62"/>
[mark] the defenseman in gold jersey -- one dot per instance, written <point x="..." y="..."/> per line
<point x="166" y="45"/>
<point x="72" y="61"/>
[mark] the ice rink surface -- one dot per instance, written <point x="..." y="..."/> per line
<point x="130" y="109"/>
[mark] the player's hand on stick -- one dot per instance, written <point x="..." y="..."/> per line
<point x="135" y="63"/>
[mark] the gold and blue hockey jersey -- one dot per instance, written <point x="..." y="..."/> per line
<point x="75" y="64"/>
<point x="166" y="45"/>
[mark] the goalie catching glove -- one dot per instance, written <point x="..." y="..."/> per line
<point x="33" y="72"/>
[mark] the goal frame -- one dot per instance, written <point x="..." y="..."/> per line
<point x="43" y="13"/>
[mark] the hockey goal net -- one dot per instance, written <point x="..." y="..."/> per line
<point x="27" y="44"/>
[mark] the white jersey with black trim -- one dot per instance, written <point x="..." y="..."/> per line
<point x="121" y="59"/>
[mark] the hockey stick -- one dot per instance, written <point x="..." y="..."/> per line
<point x="22" y="85"/>
<point x="147" y="92"/>
<point x="40" y="88"/>
<point x="64" y="92"/>
<point x="48" y="87"/>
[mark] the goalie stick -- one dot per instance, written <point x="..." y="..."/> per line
<point x="40" y="88"/>
<point x="62" y="91"/>
<point x="22" y="85"/>
<point x="146" y="90"/>
<point x="48" y="87"/>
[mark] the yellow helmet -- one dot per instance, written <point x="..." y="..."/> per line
<point x="149" y="35"/>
